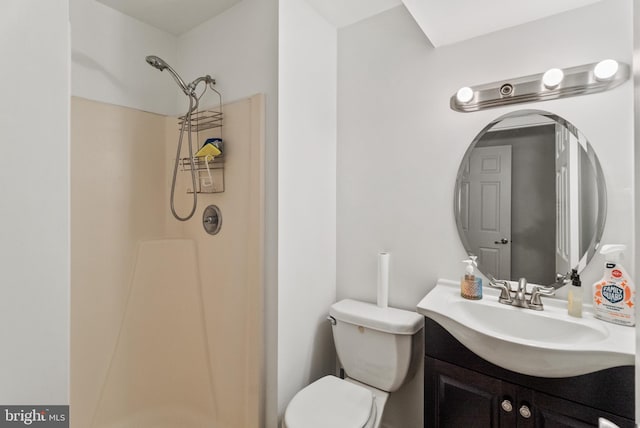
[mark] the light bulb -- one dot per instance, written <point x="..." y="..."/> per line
<point x="552" y="78"/>
<point x="464" y="95"/>
<point x="606" y="69"/>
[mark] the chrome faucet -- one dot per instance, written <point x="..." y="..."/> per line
<point x="518" y="297"/>
<point x="535" y="302"/>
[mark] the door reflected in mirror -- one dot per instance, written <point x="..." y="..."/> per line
<point x="530" y="198"/>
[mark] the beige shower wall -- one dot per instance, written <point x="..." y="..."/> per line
<point x="231" y="261"/>
<point x="117" y="195"/>
<point x="121" y="163"/>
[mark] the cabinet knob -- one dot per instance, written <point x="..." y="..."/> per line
<point x="525" y="412"/>
<point x="506" y="406"/>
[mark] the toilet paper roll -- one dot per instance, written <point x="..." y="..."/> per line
<point x="383" y="279"/>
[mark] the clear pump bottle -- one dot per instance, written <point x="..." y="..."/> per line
<point x="470" y="283"/>
<point x="574" y="300"/>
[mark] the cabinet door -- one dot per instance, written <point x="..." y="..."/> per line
<point x="553" y="412"/>
<point x="456" y="397"/>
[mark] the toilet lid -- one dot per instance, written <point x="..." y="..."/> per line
<point x="330" y="402"/>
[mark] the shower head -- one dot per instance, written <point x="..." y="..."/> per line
<point x="160" y="64"/>
<point x="156" y="62"/>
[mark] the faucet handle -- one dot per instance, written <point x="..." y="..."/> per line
<point x="505" y="295"/>
<point x="536" y="302"/>
<point x="544" y="290"/>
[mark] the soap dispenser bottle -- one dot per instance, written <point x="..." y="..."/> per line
<point x="574" y="300"/>
<point x="471" y="284"/>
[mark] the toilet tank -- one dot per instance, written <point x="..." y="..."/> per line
<point x="376" y="346"/>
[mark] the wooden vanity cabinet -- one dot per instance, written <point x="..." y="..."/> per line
<point x="463" y="390"/>
<point x="457" y="397"/>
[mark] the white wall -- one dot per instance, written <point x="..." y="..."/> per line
<point x="34" y="172"/>
<point x="399" y="143"/>
<point x="306" y="199"/>
<point x="108" y="51"/>
<point x="238" y="48"/>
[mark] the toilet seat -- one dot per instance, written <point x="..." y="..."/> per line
<point x="331" y="402"/>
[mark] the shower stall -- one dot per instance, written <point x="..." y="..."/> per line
<point x="166" y="319"/>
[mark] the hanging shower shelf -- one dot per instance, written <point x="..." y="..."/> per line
<point x="200" y="163"/>
<point x="203" y="125"/>
<point x="202" y="120"/>
<point x="209" y="173"/>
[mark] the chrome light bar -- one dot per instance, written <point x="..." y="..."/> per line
<point x="555" y="83"/>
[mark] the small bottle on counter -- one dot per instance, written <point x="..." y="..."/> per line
<point x="574" y="300"/>
<point x="470" y="283"/>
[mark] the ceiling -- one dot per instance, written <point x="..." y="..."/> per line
<point x="443" y="21"/>
<point x="450" y="21"/>
<point x="174" y="16"/>
<point x="342" y="13"/>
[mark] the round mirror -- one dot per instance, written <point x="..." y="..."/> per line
<point x="530" y="198"/>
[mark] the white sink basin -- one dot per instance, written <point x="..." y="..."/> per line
<point x="546" y="343"/>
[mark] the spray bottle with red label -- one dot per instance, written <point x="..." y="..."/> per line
<point x="614" y="295"/>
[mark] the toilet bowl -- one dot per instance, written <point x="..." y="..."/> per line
<point x="332" y="402"/>
<point x="377" y="348"/>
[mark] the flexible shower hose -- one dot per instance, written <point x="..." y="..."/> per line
<point x="186" y="124"/>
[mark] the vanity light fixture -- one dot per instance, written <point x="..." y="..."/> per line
<point x="552" y="78"/>
<point x="464" y="94"/>
<point x="606" y="69"/>
<point x="555" y="83"/>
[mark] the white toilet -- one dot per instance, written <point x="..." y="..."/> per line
<point x="379" y="351"/>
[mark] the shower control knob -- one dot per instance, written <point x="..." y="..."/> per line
<point x="525" y="412"/>
<point x="212" y="219"/>
<point x="506" y="406"/>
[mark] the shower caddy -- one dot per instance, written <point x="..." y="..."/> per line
<point x="209" y="171"/>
